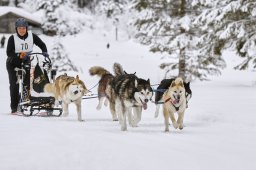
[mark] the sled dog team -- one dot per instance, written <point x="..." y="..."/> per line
<point x="125" y="94"/>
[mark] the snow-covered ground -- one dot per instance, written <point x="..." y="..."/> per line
<point x="219" y="133"/>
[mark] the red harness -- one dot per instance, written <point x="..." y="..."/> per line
<point x="169" y="99"/>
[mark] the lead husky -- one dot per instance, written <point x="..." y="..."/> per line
<point x="129" y="93"/>
<point x="68" y="89"/>
<point x="165" y="84"/>
<point x="174" y="101"/>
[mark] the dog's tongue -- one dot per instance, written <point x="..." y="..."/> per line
<point x="176" y="101"/>
<point x="145" y="106"/>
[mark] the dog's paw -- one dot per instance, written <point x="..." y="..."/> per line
<point x="98" y="107"/>
<point x="181" y="126"/>
<point x="89" y="94"/>
<point x="156" y="114"/>
<point x="80" y="120"/>
<point x="123" y="128"/>
<point x="134" y="125"/>
<point x="115" y="119"/>
<point x="106" y="103"/>
<point x="175" y="125"/>
<point x="166" y="130"/>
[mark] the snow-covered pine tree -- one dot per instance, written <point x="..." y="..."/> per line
<point x="110" y="8"/>
<point x="11" y="3"/>
<point x="166" y="26"/>
<point x="113" y="13"/>
<point x="50" y="25"/>
<point x="29" y="5"/>
<point x="60" y="58"/>
<point x="230" y="24"/>
<point x="61" y="17"/>
<point x="84" y="3"/>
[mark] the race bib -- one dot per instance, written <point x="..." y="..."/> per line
<point x="23" y="45"/>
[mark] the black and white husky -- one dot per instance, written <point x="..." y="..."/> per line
<point x="128" y="94"/>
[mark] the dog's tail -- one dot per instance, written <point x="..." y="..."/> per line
<point x="97" y="70"/>
<point x="118" y="69"/>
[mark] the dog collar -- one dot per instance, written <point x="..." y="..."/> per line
<point x="167" y="100"/>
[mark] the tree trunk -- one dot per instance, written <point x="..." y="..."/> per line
<point x="11" y="3"/>
<point x="182" y="60"/>
<point x="183" y="8"/>
<point x="182" y="63"/>
<point x="116" y="30"/>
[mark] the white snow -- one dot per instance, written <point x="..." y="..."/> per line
<point x="20" y="12"/>
<point x="219" y="131"/>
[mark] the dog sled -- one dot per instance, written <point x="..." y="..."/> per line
<point x="32" y="76"/>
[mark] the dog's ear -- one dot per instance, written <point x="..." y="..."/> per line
<point x="181" y="84"/>
<point x="136" y="83"/>
<point x="134" y="73"/>
<point x="173" y="84"/>
<point x="148" y="81"/>
<point x="77" y="77"/>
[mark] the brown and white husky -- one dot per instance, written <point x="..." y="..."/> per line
<point x="68" y="90"/>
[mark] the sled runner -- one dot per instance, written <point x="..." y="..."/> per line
<point x="32" y="77"/>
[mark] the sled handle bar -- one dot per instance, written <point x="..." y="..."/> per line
<point x="47" y="59"/>
<point x="35" y="53"/>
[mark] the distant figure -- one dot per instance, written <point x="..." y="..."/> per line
<point x="2" y="41"/>
<point x="108" y="45"/>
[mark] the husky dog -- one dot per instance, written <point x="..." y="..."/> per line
<point x="67" y="90"/>
<point x="105" y="78"/>
<point x="129" y="93"/>
<point x="174" y="101"/>
<point x="164" y="85"/>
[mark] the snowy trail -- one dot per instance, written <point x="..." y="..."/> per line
<point x="219" y="128"/>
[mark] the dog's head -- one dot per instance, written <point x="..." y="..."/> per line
<point x="77" y="87"/>
<point x="143" y="92"/>
<point x="176" y="91"/>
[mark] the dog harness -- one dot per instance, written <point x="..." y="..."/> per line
<point x="169" y="99"/>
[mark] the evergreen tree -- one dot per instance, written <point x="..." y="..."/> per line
<point x="85" y="3"/>
<point x="29" y="5"/>
<point x="114" y="15"/>
<point x="110" y="8"/>
<point x="166" y="26"/>
<point x="60" y="58"/>
<point x="61" y="17"/>
<point x="231" y="25"/>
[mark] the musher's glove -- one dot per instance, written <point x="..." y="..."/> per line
<point x="23" y="56"/>
<point x="45" y="54"/>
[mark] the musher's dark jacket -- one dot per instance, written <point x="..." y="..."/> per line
<point x="13" y="58"/>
